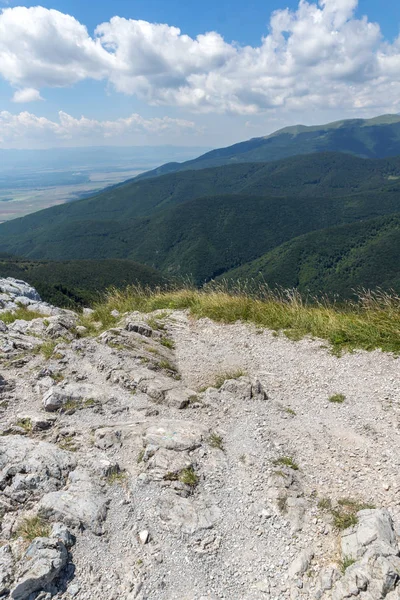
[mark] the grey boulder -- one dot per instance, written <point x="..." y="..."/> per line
<point x="40" y="565"/>
<point x="29" y="468"/>
<point x="82" y="504"/>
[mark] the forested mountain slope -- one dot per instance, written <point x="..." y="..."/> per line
<point x="336" y="260"/>
<point x="77" y="283"/>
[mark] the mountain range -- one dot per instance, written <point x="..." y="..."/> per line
<point x="313" y="207"/>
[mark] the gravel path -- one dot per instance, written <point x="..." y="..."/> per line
<point x="350" y="448"/>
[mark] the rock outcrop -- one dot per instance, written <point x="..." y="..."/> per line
<point x="126" y="474"/>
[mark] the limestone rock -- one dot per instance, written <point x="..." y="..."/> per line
<point x="373" y="526"/>
<point x="16" y="288"/>
<point x="61" y="532"/>
<point x="301" y="563"/>
<point x="29" y="468"/>
<point x="6" y="568"/>
<point x="372" y="543"/>
<point x="82" y="504"/>
<point x="188" y="515"/>
<point x="40" y="565"/>
<point x="60" y="395"/>
<point x="179" y="397"/>
<point x="175" y="435"/>
<point x="140" y="328"/>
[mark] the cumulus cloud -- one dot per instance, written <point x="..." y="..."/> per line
<point x="15" y="128"/>
<point x="27" y="95"/>
<point x="317" y="56"/>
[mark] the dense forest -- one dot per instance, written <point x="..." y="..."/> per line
<point x="78" y="283"/>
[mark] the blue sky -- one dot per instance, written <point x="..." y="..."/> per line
<point x="244" y="22"/>
<point x="135" y="83"/>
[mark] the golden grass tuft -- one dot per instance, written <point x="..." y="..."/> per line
<point x="371" y="321"/>
<point x="21" y="314"/>
<point x="32" y="528"/>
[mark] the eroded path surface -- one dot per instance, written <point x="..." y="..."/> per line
<point x="121" y="479"/>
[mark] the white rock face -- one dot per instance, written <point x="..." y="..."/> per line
<point x="30" y="468"/>
<point x="81" y="504"/>
<point x="18" y="290"/>
<point x="40" y="565"/>
<point x="14" y="293"/>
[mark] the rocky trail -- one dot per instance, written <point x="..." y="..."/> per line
<point x="174" y="459"/>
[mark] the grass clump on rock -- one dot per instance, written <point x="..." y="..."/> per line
<point x="286" y="461"/>
<point x="337" y="399"/>
<point x="25" y="424"/>
<point x="32" y="528"/>
<point x="216" y="441"/>
<point x="346" y="514"/>
<point x="186" y="476"/>
<point x="21" y="314"/>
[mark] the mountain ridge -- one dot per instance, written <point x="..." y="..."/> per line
<point x="345" y="135"/>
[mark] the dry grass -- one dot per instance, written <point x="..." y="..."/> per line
<point x="22" y="314"/>
<point x="216" y="441"/>
<point x="372" y="321"/>
<point x="32" y="528"/>
<point x="345" y="515"/>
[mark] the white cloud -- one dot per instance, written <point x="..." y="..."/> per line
<point x="315" y="57"/>
<point x="18" y="130"/>
<point x="27" y="95"/>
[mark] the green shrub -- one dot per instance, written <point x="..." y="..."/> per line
<point x="337" y="398"/>
<point x="286" y="461"/>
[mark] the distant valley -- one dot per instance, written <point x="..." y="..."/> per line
<point x="320" y="220"/>
<point x="31" y="180"/>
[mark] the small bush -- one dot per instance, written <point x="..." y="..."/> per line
<point x="117" y="477"/>
<point x="216" y="441"/>
<point x="168" y="343"/>
<point x="337" y="398"/>
<point x="68" y="443"/>
<point x="345" y="563"/>
<point x="189" y="477"/>
<point x="25" y="424"/>
<point x="32" y="528"/>
<point x="346" y="514"/>
<point x="167" y="366"/>
<point x="286" y="461"/>
<point x="46" y="349"/>
<point x="57" y="377"/>
<point x="89" y="403"/>
<point x="186" y="476"/>
<point x="155" y="323"/>
<point x="222" y="377"/>
<point x="70" y="405"/>
<point x="325" y="504"/>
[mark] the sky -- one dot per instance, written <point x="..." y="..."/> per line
<point x="209" y="73"/>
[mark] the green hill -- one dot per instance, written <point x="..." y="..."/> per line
<point x="205" y="223"/>
<point x="78" y="282"/>
<point x="369" y="138"/>
<point x="113" y="211"/>
<point x="333" y="261"/>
